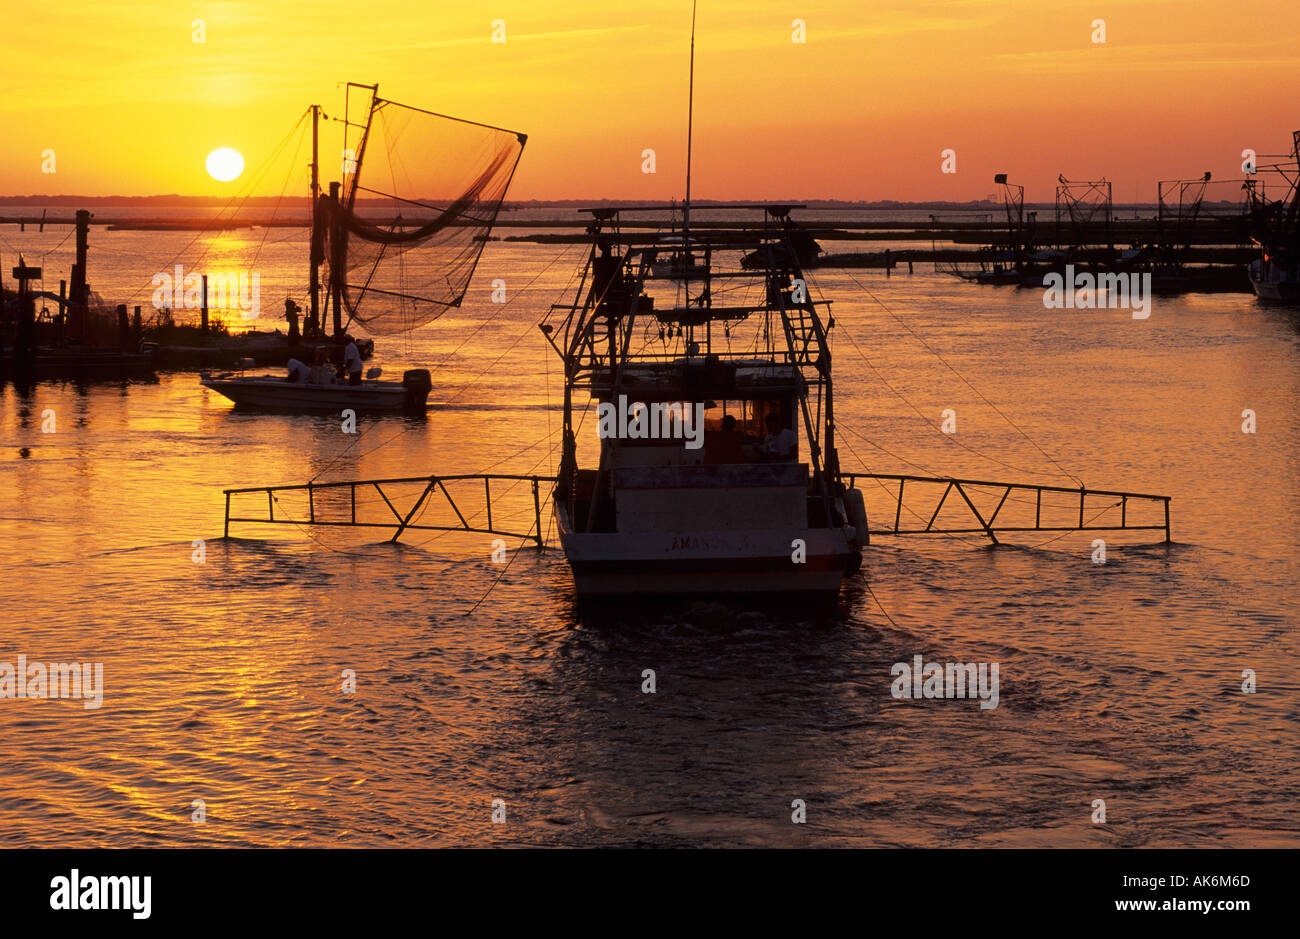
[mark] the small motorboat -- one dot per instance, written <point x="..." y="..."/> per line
<point x="411" y="394"/>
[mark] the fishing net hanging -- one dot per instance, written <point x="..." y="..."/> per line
<point x="418" y="209"/>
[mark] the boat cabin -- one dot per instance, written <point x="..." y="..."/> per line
<point x="688" y="447"/>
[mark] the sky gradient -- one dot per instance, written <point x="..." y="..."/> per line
<point x="131" y="105"/>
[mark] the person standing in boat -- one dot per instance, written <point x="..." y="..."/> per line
<point x="291" y="311"/>
<point x="352" y="362"/>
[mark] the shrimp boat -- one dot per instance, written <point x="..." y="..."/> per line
<point x="684" y="492"/>
<point x="711" y="470"/>
<point x="399" y="249"/>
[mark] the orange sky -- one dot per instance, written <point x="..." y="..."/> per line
<point x="131" y="105"/>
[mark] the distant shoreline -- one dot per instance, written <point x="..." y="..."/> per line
<point x="178" y="201"/>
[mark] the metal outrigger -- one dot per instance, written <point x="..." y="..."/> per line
<point x="990" y="526"/>
<point x="343" y="513"/>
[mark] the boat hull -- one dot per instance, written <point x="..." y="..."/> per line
<point x="710" y="564"/>
<point x="273" y="393"/>
<point x="1274" y="280"/>
<point x="1281" y="291"/>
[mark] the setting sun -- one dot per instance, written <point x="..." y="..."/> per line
<point x="225" y="164"/>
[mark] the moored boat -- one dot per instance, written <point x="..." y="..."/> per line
<point x="1275" y="227"/>
<point x="1275" y="280"/>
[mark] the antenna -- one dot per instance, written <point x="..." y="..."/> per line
<point x="690" y="116"/>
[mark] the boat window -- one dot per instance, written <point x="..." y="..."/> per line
<point x="741" y="444"/>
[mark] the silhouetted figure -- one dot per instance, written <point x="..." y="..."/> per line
<point x="298" y="371"/>
<point x="726" y="445"/>
<point x="291" y="311"/>
<point x="779" y="444"/>
<point x="352" y="362"/>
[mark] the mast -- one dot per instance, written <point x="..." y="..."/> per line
<point x="687" y="260"/>
<point x="338" y="252"/>
<point x="690" y="116"/>
<point x="314" y="279"/>
<point x="338" y="267"/>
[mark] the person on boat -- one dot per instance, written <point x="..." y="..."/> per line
<point x="779" y="444"/>
<point x="291" y="311"/>
<point x="321" y="371"/>
<point x="352" y="362"/>
<point x="298" y="371"/>
<point x="725" y="445"/>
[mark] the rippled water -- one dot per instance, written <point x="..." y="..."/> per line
<point x="1119" y="681"/>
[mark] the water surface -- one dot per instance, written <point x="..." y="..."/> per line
<point x="1119" y="681"/>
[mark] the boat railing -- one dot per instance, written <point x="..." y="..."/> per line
<point x="1006" y="507"/>
<point x="457" y="503"/>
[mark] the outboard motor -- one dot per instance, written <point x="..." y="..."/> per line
<point x="418" y="383"/>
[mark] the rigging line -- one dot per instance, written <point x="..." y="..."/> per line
<point x="526" y="538"/>
<point x="950" y="437"/>
<point x="867" y="583"/>
<point x="483" y="471"/>
<point x="497" y="361"/>
<point x="978" y="393"/>
<point x="71" y="231"/>
<point x="384" y="101"/>
<point x="925" y="469"/>
<point x="405" y="430"/>
<point x="512" y="299"/>
<point x="275" y="212"/>
<point x="242" y="200"/>
<point x="334" y="462"/>
<point x="504" y="569"/>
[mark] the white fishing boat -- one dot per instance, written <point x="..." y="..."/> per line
<point x="411" y="394"/>
<point x="714" y="471"/>
<point x="723" y="479"/>
<point x="397" y="251"/>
